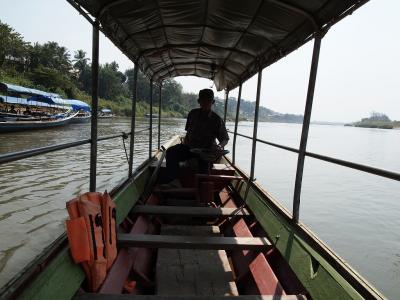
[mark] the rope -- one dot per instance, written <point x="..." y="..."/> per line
<point x="124" y="137"/>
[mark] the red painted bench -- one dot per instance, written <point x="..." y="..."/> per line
<point x="254" y="274"/>
<point x="290" y="283"/>
<point x="138" y="260"/>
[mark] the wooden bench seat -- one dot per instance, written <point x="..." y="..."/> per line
<point x="188" y="211"/>
<point x="192" y="242"/>
<point x="222" y="169"/>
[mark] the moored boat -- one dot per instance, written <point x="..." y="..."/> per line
<point x="105" y="113"/>
<point x="18" y="123"/>
<point x="50" y="109"/>
<point x="251" y="247"/>
<point x="154" y="116"/>
<point x="81" y="117"/>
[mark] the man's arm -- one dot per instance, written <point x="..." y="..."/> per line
<point x="189" y="120"/>
<point x="223" y="136"/>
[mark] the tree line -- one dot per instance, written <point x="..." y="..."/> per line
<point x="51" y="67"/>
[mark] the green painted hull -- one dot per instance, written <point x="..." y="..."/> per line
<point x="319" y="269"/>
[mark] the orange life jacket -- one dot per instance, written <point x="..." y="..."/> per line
<point x="91" y="233"/>
<point x="109" y="214"/>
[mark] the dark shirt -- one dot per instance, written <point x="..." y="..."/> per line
<point x="203" y="128"/>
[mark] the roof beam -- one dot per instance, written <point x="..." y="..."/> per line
<point x="108" y="6"/>
<point x="170" y="46"/>
<point x="166" y="68"/>
<point x="194" y="62"/>
<point x="297" y="10"/>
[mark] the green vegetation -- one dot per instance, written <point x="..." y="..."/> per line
<point x="376" y="120"/>
<point x="50" y="67"/>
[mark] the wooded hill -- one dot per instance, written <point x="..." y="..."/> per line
<point x="376" y="120"/>
<point x="51" y="67"/>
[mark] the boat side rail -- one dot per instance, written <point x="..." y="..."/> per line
<point x="15" y="156"/>
<point x="348" y="164"/>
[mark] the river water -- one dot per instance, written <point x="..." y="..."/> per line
<point x="355" y="213"/>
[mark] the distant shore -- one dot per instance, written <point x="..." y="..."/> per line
<point x="376" y="124"/>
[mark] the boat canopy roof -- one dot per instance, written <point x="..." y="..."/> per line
<point x="41" y="98"/>
<point x="28" y="102"/>
<point x="6" y="87"/>
<point x="105" y="110"/>
<point x="77" y="104"/>
<point x="225" y="41"/>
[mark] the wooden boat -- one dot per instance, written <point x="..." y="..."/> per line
<point x="154" y="116"/>
<point x="19" y="123"/>
<point x="84" y="111"/>
<point x="81" y="117"/>
<point x="251" y="247"/>
<point x="105" y="113"/>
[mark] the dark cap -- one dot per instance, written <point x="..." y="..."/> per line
<point x="206" y="94"/>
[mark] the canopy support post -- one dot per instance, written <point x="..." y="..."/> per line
<point x="236" y="124"/>
<point x="159" y="118"/>
<point x="306" y="125"/>
<point x="226" y="104"/>
<point x="151" y="119"/>
<point x="95" y="98"/>
<point x="133" y="119"/>
<point x="253" y="149"/>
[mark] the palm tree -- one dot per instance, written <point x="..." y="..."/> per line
<point x="80" y="60"/>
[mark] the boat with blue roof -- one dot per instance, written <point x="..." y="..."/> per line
<point x="24" y="108"/>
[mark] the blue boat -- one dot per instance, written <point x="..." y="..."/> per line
<point x="105" y="113"/>
<point x="84" y="111"/>
<point x="16" y="114"/>
<point x="25" y="123"/>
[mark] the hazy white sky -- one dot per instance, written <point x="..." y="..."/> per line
<point x="359" y="69"/>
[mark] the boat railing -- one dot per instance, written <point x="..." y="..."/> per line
<point x="352" y="165"/>
<point x="15" y="156"/>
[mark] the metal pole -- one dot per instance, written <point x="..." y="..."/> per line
<point x="236" y="124"/>
<point x="95" y="98"/>
<point x="133" y="119"/>
<point x="151" y="119"/>
<point x="159" y="117"/>
<point x="306" y="125"/>
<point x="253" y="150"/>
<point x="226" y="104"/>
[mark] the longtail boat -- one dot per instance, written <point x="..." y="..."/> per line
<point x="20" y="123"/>
<point x="221" y="235"/>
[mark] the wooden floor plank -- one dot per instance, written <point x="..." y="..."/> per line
<point x="90" y="296"/>
<point x="189" y="211"/>
<point x="193" y="271"/>
<point x="193" y="242"/>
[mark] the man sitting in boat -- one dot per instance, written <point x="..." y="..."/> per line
<point x="203" y="127"/>
<point x="12" y="110"/>
<point x="27" y="111"/>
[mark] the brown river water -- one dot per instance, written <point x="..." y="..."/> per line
<point x="356" y="214"/>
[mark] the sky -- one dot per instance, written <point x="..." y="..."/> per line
<point x="359" y="66"/>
